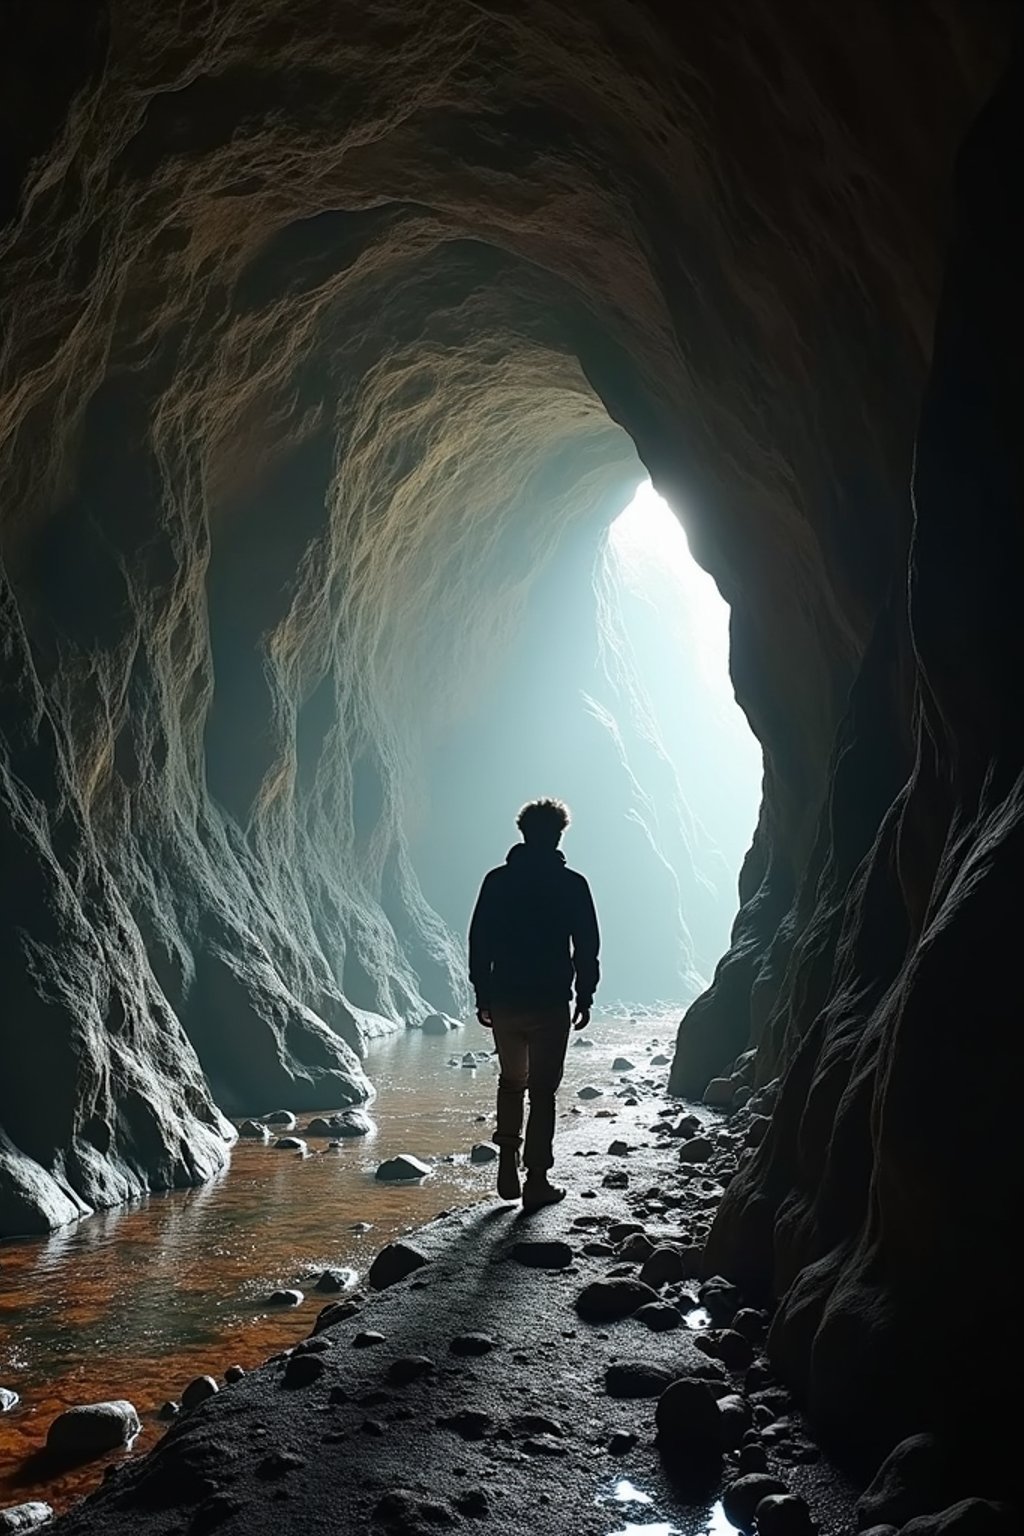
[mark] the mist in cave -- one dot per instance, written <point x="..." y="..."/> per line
<point x="613" y="694"/>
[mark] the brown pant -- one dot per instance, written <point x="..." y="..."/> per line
<point x="531" y="1055"/>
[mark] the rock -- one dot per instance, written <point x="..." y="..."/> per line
<point x="278" y="1464"/>
<point x="637" y="1248"/>
<point x="333" y="1280"/>
<point x="471" y="1344"/>
<point x="607" y="1301"/>
<point x="753" y="1458"/>
<point x="469" y="1423"/>
<point x="659" y="1316"/>
<point x="438" y="1024"/>
<point x="636" y="1378"/>
<point x="583" y="1044"/>
<point x="721" y="1298"/>
<point x="588" y="1091"/>
<point x="409" y="1368"/>
<point x="685" y="1126"/>
<point x="784" y="1514"/>
<point x="393" y="1264"/>
<point x="621" y="1442"/>
<point x="742" y="1096"/>
<point x="620" y="1230"/>
<point x="697" y="1150"/>
<point x="367" y="1338"/>
<point x="663" y="1266"/>
<point x="741" y="1498"/>
<point x="234" y="1373"/>
<point x="197" y="1391"/>
<point x="24" y="1517"/>
<point x="318" y="1126"/>
<point x="540" y="1254"/>
<point x="969" y="1517"/>
<point x="168" y="1411"/>
<point x="661" y="1060"/>
<point x="751" y="1323"/>
<point x="719" y="1092"/>
<point x="350" y="1123"/>
<point x="544" y="1445"/>
<point x="402" y="1168"/>
<point x="618" y="1149"/>
<point x="337" y="1312"/>
<point x="598" y="1250"/>
<point x="617" y="1180"/>
<point x="688" y="1421"/>
<point x="735" y="1416"/>
<point x="914" y="1479"/>
<point x="734" y="1351"/>
<point x="282" y="1117"/>
<point x="93" y="1428"/>
<point x="483" y="1152"/>
<point x="623" y="1064"/>
<point x="290" y="1144"/>
<point x="756" y="1130"/>
<point x="302" y="1370"/>
<point x="253" y="1130"/>
<point x="475" y="1503"/>
<point x="285" y="1298"/>
<point x="409" y="1513"/>
<point x="8" y="1399"/>
<point x="469" y="1060"/>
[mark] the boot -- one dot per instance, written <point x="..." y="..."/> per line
<point x="539" y="1191"/>
<point x="508" y="1174"/>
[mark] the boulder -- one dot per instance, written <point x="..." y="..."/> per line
<point x="438" y="1024"/>
<point x="403" y="1169"/>
<point x="660" y="1316"/>
<point x="302" y="1370"/>
<point x="783" y="1514"/>
<point x="661" y="1060"/>
<point x="253" y="1130"/>
<point x="285" y="1298"/>
<point x="914" y="1479"/>
<point x="350" y="1123"/>
<point x="687" y="1420"/>
<point x="536" y="1253"/>
<point x="741" y="1498"/>
<point x="93" y="1428"/>
<point x="282" y="1118"/>
<point x="969" y="1517"/>
<point x="623" y="1064"/>
<point x="290" y="1144"/>
<point x="734" y="1413"/>
<point x="335" y="1280"/>
<point x="393" y="1264"/>
<point x="697" y="1150"/>
<point x="719" y="1092"/>
<point x="637" y="1378"/>
<point x="483" y="1152"/>
<point x="588" y="1091"/>
<point x="471" y="1344"/>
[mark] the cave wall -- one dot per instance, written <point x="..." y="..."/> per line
<point x="302" y="305"/>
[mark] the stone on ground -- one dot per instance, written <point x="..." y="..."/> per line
<point x="471" y="1344"/>
<point x="719" y="1092"/>
<point x="970" y="1517"/>
<point x="281" y="1117"/>
<point x="623" y="1064"/>
<point x="784" y="1514"/>
<point x="24" y="1517"/>
<point x="8" y="1399"/>
<point x="302" y="1370"/>
<point x="687" y="1420"/>
<point x="404" y="1167"/>
<point x="914" y="1479"/>
<point x="285" y="1298"/>
<point x="607" y="1301"/>
<point x="637" y="1378"/>
<point x="536" y="1253"/>
<point x="438" y="1024"/>
<point x="253" y="1130"/>
<point x="290" y="1144"/>
<point x="483" y="1152"/>
<point x="394" y="1263"/>
<point x="741" y="1498"/>
<point x="198" y="1390"/>
<point x="93" y="1428"/>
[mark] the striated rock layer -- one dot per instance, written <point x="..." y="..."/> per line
<point x="322" y="325"/>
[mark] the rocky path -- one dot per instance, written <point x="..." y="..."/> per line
<point x="514" y="1378"/>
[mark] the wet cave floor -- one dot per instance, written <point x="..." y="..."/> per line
<point x="137" y="1303"/>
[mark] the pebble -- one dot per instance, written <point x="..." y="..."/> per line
<point x="394" y="1263"/>
<point x="286" y="1298"/>
<point x="234" y="1373"/>
<point x="92" y="1428"/>
<point x="404" y="1167"/>
<point x="741" y="1498"/>
<point x="483" y="1152"/>
<point x="540" y="1254"/>
<point x="784" y="1514"/>
<point x="303" y="1370"/>
<point x="8" y="1399"/>
<point x="25" y="1517"/>
<point x="280" y="1117"/>
<point x="607" y="1301"/>
<point x="471" y="1344"/>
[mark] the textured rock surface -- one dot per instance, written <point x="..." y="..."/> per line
<point x="320" y="322"/>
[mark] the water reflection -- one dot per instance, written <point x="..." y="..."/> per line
<point x="135" y="1302"/>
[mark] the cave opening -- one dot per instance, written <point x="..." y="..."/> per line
<point x="613" y="693"/>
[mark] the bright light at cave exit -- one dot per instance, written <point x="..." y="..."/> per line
<point x="650" y="546"/>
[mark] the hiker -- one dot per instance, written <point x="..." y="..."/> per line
<point x="533" y="942"/>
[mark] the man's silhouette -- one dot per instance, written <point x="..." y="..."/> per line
<point x="532" y="941"/>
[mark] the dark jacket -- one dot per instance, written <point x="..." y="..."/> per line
<point x="534" y="933"/>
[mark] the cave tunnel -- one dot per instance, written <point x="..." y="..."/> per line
<point x="335" y="341"/>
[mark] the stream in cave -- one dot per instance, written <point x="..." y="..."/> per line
<point x="134" y="1303"/>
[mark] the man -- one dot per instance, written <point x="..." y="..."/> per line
<point x="532" y="941"/>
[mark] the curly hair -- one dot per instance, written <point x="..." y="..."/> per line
<point x="543" y="821"/>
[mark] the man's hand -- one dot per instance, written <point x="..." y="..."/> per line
<point x="484" y="1017"/>
<point x="581" y="1018"/>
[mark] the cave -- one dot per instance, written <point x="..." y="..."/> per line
<point x="330" y="333"/>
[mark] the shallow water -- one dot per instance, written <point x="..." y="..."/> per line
<point x="134" y="1303"/>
